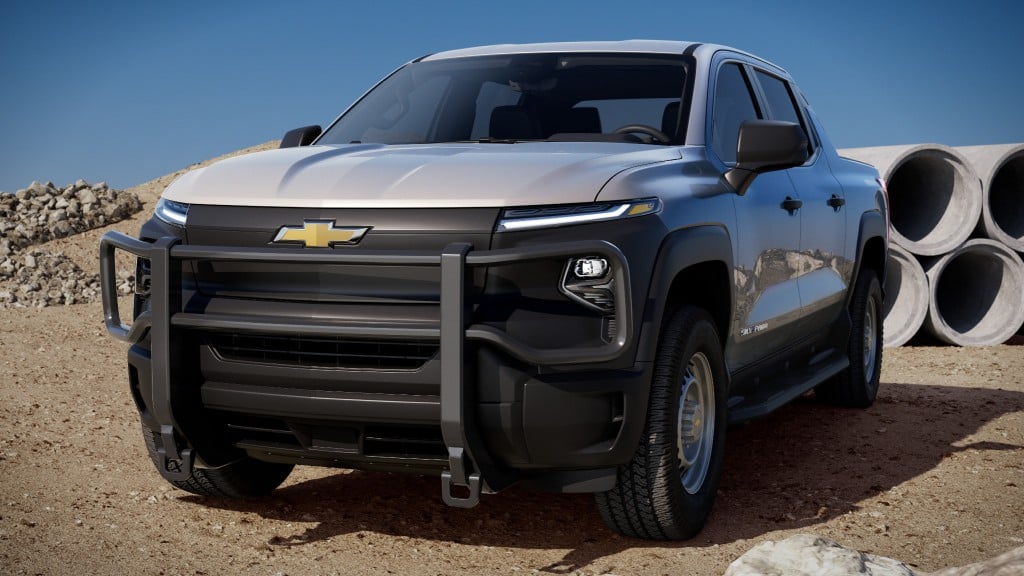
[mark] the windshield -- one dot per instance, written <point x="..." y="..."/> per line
<point x="558" y="97"/>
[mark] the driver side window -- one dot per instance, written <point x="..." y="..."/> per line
<point x="732" y="105"/>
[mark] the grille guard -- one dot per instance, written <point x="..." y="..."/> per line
<point x="166" y="315"/>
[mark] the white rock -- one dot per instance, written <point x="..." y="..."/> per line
<point x="86" y="196"/>
<point x="809" y="555"/>
<point x="1008" y="564"/>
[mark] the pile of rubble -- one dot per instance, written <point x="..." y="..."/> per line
<point x="33" y="277"/>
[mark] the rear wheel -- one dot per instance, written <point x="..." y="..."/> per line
<point x="857" y="386"/>
<point x="666" y="491"/>
<point x="243" y="478"/>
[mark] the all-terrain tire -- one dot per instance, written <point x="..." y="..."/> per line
<point x="657" y="495"/>
<point x="243" y="478"/>
<point x="857" y="386"/>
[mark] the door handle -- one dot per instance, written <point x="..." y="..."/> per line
<point x="836" y="202"/>
<point x="791" y="204"/>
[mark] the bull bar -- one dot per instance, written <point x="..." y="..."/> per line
<point x="166" y="314"/>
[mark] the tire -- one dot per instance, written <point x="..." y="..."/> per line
<point x="243" y="478"/>
<point x="666" y="491"/>
<point x="857" y="386"/>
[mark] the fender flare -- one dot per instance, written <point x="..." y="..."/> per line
<point x="680" y="250"/>
<point x="872" y="225"/>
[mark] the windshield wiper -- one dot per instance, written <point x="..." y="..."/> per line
<point x="495" y="141"/>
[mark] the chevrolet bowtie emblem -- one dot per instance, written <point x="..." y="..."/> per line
<point x="320" y="234"/>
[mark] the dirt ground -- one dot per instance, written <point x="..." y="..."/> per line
<point x="932" y="474"/>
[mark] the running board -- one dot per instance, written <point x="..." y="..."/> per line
<point x="788" y="387"/>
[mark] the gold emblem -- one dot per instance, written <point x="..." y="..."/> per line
<point x="319" y="234"/>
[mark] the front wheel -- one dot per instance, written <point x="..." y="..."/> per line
<point x="857" y="386"/>
<point x="242" y="478"/>
<point x="666" y="491"/>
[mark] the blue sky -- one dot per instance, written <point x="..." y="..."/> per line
<point x="125" y="91"/>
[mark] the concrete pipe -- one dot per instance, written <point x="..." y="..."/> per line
<point x="934" y="195"/>
<point x="1001" y="168"/>
<point x="977" y="294"/>
<point x="906" y="297"/>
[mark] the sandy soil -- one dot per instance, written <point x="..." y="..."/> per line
<point x="932" y="474"/>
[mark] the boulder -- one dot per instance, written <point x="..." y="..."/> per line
<point x="1007" y="564"/>
<point x="809" y="555"/>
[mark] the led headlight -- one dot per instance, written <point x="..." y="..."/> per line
<point x="171" y="212"/>
<point x="549" y="216"/>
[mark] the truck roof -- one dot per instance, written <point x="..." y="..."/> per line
<point x="702" y="50"/>
<point x="645" y="46"/>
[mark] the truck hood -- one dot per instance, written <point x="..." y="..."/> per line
<point x="416" y="176"/>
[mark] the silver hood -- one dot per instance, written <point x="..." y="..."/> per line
<point x="416" y="176"/>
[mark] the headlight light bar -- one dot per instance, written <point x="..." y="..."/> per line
<point x="171" y="212"/>
<point x="513" y="219"/>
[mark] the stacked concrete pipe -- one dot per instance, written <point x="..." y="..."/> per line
<point x="977" y="294"/>
<point x="934" y="195"/>
<point x="1001" y="168"/>
<point x="973" y="292"/>
<point x="906" y="297"/>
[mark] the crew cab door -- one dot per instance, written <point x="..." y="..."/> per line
<point x="820" y="266"/>
<point x="767" y="231"/>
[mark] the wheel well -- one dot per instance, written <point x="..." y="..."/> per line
<point x="873" y="257"/>
<point x="707" y="286"/>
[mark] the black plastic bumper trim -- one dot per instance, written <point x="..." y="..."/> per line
<point x="285" y="403"/>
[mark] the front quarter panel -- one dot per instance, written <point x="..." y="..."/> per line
<point x="699" y="216"/>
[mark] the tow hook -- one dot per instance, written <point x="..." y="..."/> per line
<point x="175" y="464"/>
<point x="456" y="476"/>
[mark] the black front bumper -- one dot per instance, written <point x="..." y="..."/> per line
<point x="474" y="389"/>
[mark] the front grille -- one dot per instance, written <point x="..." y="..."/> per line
<point x="323" y="351"/>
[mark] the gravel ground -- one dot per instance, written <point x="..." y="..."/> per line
<point x="932" y="474"/>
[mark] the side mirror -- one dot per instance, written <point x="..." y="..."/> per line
<point x="765" y="145"/>
<point x="300" y="136"/>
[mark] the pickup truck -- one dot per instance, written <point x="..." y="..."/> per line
<point x="571" y="265"/>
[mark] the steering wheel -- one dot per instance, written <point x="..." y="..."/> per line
<point x="655" y="134"/>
